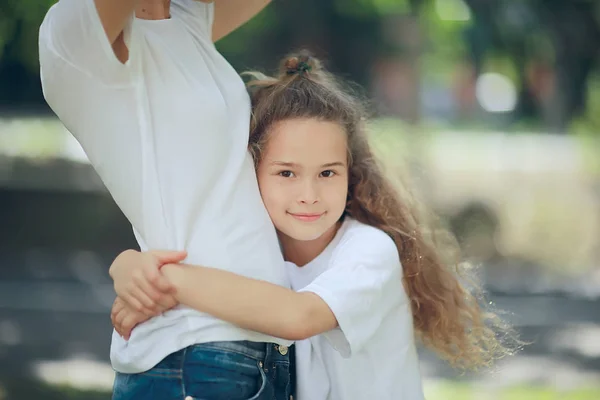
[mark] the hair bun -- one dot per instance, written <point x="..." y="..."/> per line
<point x="299" y="64"/>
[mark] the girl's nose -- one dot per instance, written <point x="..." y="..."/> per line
<point x="309" y="194"/>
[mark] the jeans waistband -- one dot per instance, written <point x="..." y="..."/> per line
<point x="256" y="350"/>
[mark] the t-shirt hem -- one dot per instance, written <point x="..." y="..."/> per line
<point x="153" y="356"/>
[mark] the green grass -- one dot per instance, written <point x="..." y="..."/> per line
<point x="29" y="389"/>
<point x="446" y="390"/>
<point x="463" y="391"/>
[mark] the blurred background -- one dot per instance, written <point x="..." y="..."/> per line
<point x="493" y="107"/>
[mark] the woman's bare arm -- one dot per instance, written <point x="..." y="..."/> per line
<point x="231" y="14"/>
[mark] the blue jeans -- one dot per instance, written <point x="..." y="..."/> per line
<point x="213" y="371"/>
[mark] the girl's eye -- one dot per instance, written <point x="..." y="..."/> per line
<point x="327" y="174"/>
<point x="286" y="174"/>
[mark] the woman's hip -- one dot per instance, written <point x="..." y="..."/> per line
<point x="237" y="370"/>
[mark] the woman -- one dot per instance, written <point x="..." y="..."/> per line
<point x="164" y="121"/>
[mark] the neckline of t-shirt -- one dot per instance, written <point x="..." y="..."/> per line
<point x="162" y="21"/>
<point x="309" y="266"/>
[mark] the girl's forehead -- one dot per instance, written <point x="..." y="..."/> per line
<point x="306" y="133"/>
<point x="306" y="144"/>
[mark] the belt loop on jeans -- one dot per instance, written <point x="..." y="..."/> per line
<point x="268" y="357"/>
<point x="183" y="358"/>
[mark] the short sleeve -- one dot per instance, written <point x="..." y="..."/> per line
<point x="72" y="34"/>
<point x="362" y="285"/>
<point x="197" y="16"/>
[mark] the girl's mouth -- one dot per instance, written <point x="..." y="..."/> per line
<point x="307" y="217"/>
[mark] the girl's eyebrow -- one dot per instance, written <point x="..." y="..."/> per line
<point x="294" y="165"/>
<point x="334" y="164"/>
<point x="284" y="164"/>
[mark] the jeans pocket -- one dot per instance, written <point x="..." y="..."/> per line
<point x="212" y="374"/>
<point x="151" y="385"/>
<point x="263" y="385"/>
<point x="119" y="387"/>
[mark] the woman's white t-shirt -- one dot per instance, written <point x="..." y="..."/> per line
<point x="167" y="132"/>
<point x="372" y="354"/>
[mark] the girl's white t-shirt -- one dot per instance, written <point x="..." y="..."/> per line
<point x="372" y="354"/>
<point x="167" y="132"/>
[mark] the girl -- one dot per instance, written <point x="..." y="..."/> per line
<point x="365" y="277"/>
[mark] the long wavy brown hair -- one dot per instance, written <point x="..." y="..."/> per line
<point x="449" y="312"/>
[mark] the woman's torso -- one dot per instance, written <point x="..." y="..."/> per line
<point x="168" y="134"/>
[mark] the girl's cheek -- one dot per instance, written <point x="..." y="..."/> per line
<point x="272" y="193"/>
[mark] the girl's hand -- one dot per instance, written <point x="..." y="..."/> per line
<point x="139" y="282"/>
<point x="124" y="318"/>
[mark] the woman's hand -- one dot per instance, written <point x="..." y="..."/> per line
<point x="139" y="282"/>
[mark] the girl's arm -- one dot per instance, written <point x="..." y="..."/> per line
<point x="356" y="293"/>
<point x="250" y="303"/>
<point x="139" y="283"/>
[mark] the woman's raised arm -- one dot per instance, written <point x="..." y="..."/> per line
<point x="231" y="14"/>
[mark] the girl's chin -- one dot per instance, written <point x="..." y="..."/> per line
<point x="301" y="236"/>
<point x="304" y="233"/>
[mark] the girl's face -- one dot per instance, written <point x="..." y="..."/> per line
<point x="303" y="177"/>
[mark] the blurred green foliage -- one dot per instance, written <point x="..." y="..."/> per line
<point x="511" y="37"/>
<point x="465" y="391"/>
<point x="19" y="23"/>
